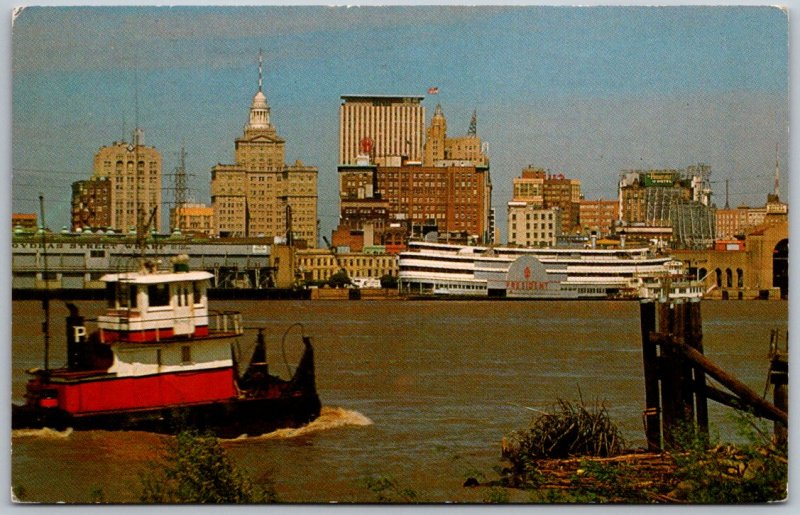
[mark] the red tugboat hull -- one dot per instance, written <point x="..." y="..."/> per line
<point x="226" y="419"/>
<point x="271" y="404"/>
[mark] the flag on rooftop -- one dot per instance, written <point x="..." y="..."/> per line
<point x="433" y="90"/>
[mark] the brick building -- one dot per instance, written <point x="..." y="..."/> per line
<point x="194" y="219"/>
<point x="91" y="205"/>
<point x="598" y="216"/>
<point x="449" y="192"/>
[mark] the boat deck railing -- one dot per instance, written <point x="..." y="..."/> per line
<point x="132" y="326"/>
<point x="221" y="322"/>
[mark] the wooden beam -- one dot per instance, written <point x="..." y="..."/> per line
<point x="746" y="395"/>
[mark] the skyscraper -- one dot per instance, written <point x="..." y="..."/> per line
<point x="260" y="195"/>
<point x="448" y="190"/>
<point x="394" y="124"/>
<point x="134" y="172"/>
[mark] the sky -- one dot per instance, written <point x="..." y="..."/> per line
<point x="587" y="92"/>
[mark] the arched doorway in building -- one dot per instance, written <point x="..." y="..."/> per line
<point x="780" y="267"/>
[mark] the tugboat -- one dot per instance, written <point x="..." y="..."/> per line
<point x="160" y="361"/>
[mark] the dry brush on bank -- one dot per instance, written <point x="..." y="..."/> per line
<point x="572" y="454"/>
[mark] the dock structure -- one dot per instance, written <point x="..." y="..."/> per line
<point x="78" y="262"/>
<point x="676" y="373"/>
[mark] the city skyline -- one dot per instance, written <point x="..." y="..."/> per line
<point x="587" y="92"/>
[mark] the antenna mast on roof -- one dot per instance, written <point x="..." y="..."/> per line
<point x="473" y="124"/>
<point x="136" y="131"/>
<point x="727" y="206"/>
<point x="777" y="174"/>
<point x="260" y="74"/>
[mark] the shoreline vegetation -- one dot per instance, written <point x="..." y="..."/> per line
<point x="573" y="454"/>
<point x="570" y="454"/>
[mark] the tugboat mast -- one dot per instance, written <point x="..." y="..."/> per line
<point x="46" y="296"/>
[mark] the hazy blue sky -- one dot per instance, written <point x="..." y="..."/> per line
<point x="586" y="92"/>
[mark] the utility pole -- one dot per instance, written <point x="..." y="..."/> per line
<point x="180" y="190"/>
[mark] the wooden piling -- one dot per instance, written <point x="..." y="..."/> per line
<point x="675" y="369"/>
<point x="779" y="379"/>
<point x="694" y="339"/>
<point x="652" y="413"/>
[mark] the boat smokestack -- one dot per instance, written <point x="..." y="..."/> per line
<point x="622" y="240"/>
<point x="593" y="238"/>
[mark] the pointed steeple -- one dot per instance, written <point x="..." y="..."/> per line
<point x="433" y="149"/>
<point x="473" y="124"/>
<point x="260" y="70"/>
<point x="259" y="109"/>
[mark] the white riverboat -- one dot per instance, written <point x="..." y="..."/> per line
<point x="457" y="271"/>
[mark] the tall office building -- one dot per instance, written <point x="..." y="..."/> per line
<point x="384" y="199"/>
<point x="134" y="172"/>
<point x="394" y="125"/>
<point x="565" y="194"/>
<point x="260" y="195"/>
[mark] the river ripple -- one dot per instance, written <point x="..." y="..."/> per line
<point x="421" y="392"/>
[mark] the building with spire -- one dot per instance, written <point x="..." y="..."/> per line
<point x="259" y="195"/>
<point x="439" y="150"/>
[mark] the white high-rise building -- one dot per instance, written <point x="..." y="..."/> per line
<point x="388" y="128"/>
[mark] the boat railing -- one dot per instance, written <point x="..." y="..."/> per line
<point x="225" y="322"/>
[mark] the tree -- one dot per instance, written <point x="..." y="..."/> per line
<point x="194" y="468"/>
<point x="388" y="281"/>
<point x="339" y="280"/>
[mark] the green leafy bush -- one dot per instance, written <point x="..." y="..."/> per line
<point x="194" y="468"/>
<point x="715" y="473"/>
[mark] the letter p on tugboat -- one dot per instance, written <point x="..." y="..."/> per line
<point x="159" y="360"/>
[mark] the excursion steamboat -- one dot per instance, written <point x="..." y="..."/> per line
<point x="159" y="360"/>
<point x="438" y="270"/>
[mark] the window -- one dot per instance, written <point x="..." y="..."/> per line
<point x="126" y="295"/>
<point x="158" y="294"/>
<point x="186" y="354"/>
<point x="196" y="292"/>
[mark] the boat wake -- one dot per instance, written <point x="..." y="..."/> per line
<point x="329" y="418"/>
<point x="44" y="433"/>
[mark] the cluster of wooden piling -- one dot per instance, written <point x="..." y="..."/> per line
<point x="675" y="370"/>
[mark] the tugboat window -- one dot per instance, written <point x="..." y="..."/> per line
<point x="186" y="354"/>
<point x="158" y="294"/>
<point x="127" y="296"/>
<point x="196" y="292"/>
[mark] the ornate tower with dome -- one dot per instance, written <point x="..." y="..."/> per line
<point x="259" y="195"/>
